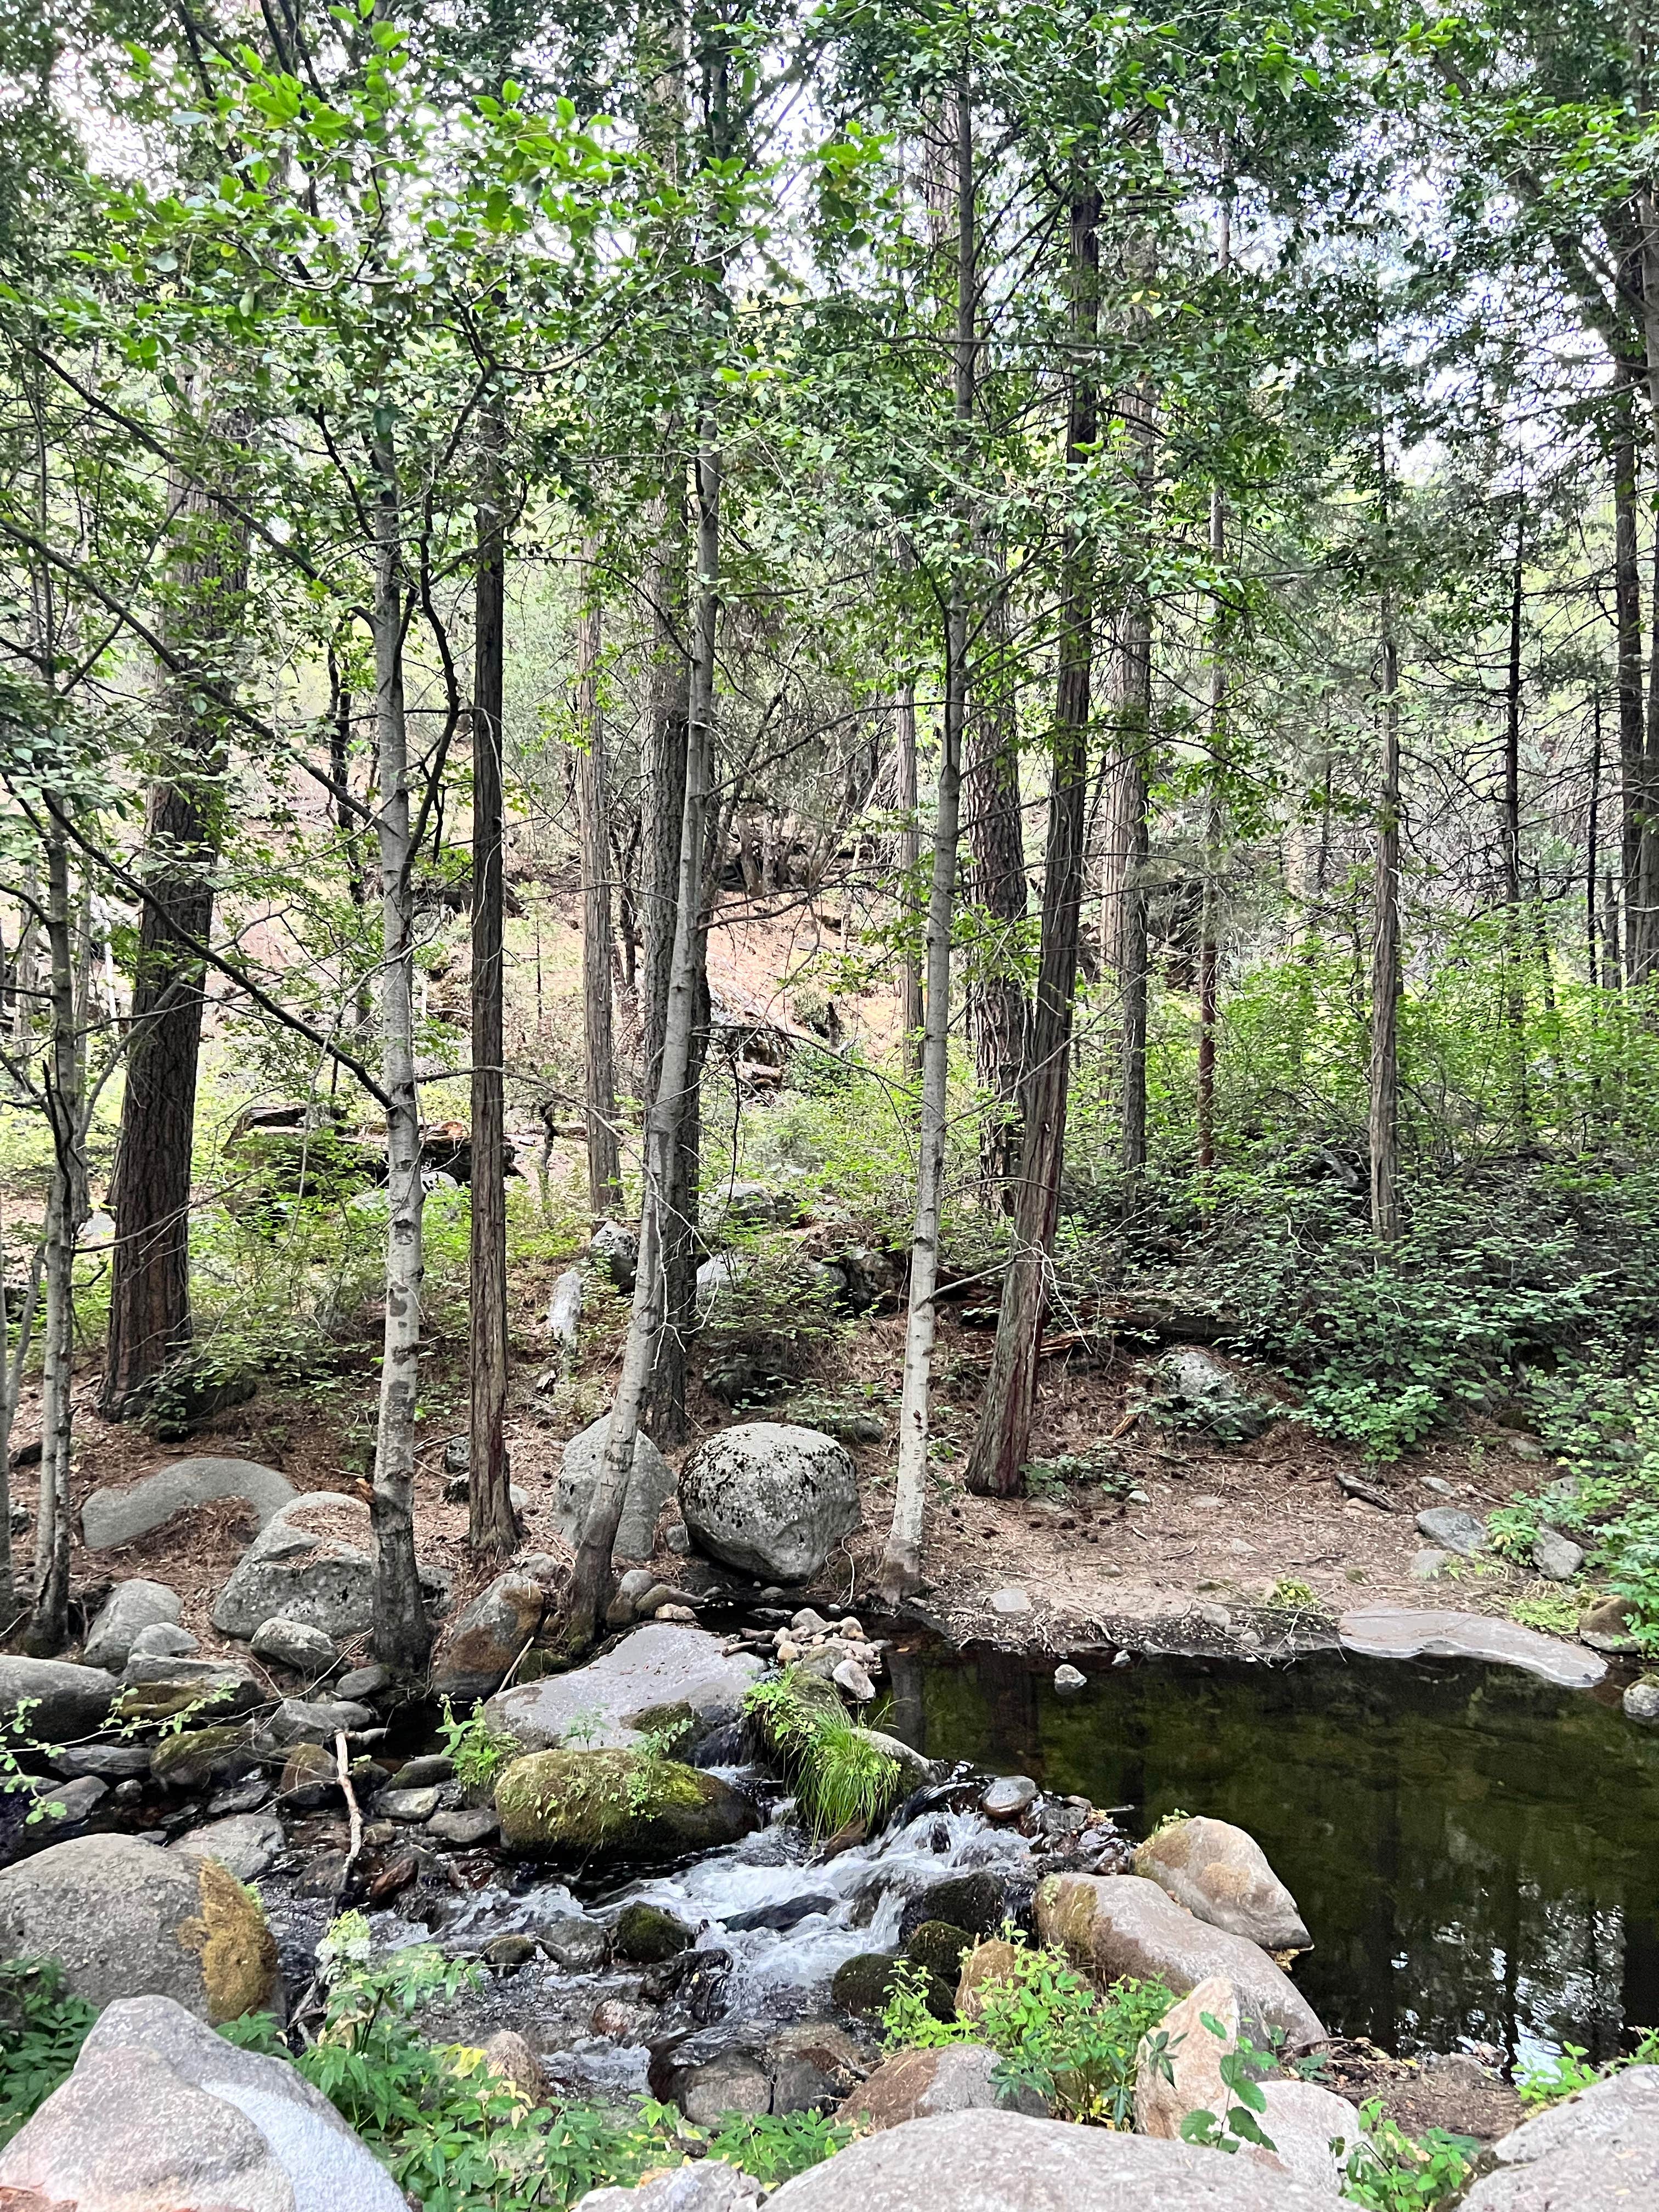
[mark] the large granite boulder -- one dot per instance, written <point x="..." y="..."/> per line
<point x="161" y="2110"/>
<point x="1210" y="1395"/>
<point x="125" y="1918"/>
<point x="475" y="1653"/>
<point x="998" y="2161"/>
<point x="65" y="1699"/>
<point x="1110" y="1925"/>
<point x="706" y="2184"/>
<point x="769" y="1498"/>
<point x="658" y="1668"/>
<point x="1403" y="1632"/>
<point x="913" y="2085"/>
<point x="130" y="1607"/>
<point x="314" y="1561"/>
<point x="245" y="1843"/>
<point x="1221" y="1872"/>
<point x="111" y="1518"/>
<point x="572" y="1804"/>
<point x="650" y="1486"/>
<point x="1597" y="2153"/>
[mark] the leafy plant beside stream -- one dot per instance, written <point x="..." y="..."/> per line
<point x="841" y="1776"/>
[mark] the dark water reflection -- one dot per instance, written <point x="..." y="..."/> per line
<point x="1476" y="1853"/>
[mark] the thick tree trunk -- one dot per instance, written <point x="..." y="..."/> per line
<point x="1209" y="938"/>
<point x="901" y="1564"/>
<point x="1515" y="996"/>
<point x="67" y="1207"/>
<point x="1637" y="839"/>
<point x="403" y="1636"/>
<point x="492" y="1526"/>
<point x="1134" y="715"/>
<point x="150" y="1272"/>
<point x="995" y="831"/>
<point x="590" y="1586"/>
<point x="1003" y="1436"/>
<point x="910" y="1011"/>
<point x="1385" y="958"/>
<point x="604" y="1152"/>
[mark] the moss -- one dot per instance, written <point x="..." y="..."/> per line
<point x="568" y="1804"/>
<point x="189" y="1759"/>
<point x="677" y="1720"/>
<point x="864" y="1983"/>
<point x="539" y="1662"/>
<point x="238" y="1950"/>
<point x="647" y="1934"/>
<point x="155" y="1701"/>
<point x="936" y="1946"/>
<point x="974" y="1901"/>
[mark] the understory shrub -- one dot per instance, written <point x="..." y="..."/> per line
<point x="42" y="2028"/>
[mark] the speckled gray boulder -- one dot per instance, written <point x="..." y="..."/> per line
<point x="650" y="1485"/>
<point x="1599" y="2153"/>
<point x="111" y="1518"/>
<point x="769" y="1498"/>
<point x="67" y="1700"/>
<point x="312" y="1562"/>
<point x="129" y="1607"/>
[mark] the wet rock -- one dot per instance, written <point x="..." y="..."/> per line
<point x="296" y="1644"/>
<point x="1556" y="1557"/>
<point x="863" y="1984"/>
<point x="1454" y="1530"/>
<point x="409" y="1808"/>
<point x="245" y="1845"/>
<point x="624" y="1607"/>
<point x="1068" y="1680"/>
<point x="313" y="1561"/>
<point x="646" y="1935"/>
<point x="245" y="1797"/>
<point x="732" y="2081"/>
<point x="658" y="1666"/>
<point x="1111" y="1925"/>
<point x="1209" y="1392"/>
<point x="113" y="1517"/>
<point x="67" y="1700"/>
<point x="475" y="1653"/>
<point x="68" y="1803"/>
<point x="1386" y="1633"/>
<point x="506" y="1953"/>
<point x="650" y="1485"/>
<point x="1189" y="2079"/>
<point x="974" y="1901"/>
<point x="1221" y="1874"/>
<point x="1010" y="1603"/>
<point x="421" y="1773"/>
<point x="986" y="1965"/>
<point x="1599" y="2153"/>
<point x="161" y="2110"/>
<point x="788" y="1912"/>
<point x="199" y="1755"/>
<point x="577" y="1944"/>
<point x="1641" y="1703"/>
<point x="125" y="1918"/>
<point x="164" y="1640"/>
<point x="914" y="2085"/>
<point x="129" y="1607"/>
<point x="992" y="2161"/>
<point x="303" y="1720"/>
<point x="770" y="1498"/>
<point x="559" y="1804"/>
<point x="617" y="2021"/>
<point x="1008" y="1797"/>
<point x="616" y="1249"/>
<point x="938" y="1948"/>
<point x="465" y="1828"/>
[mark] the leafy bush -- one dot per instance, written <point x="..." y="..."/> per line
<point x="1546" y="2082"/>
<point x="478" y="1751"/>
<point x="42" y="2028"/>
<point x="1389" y="2170"/>
<point x="777" y="2146"/>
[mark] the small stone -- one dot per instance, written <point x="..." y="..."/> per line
<point x="1009" y="1602"/>
<point x="511" y="2058"/>
<point x="1068" y="1680"/>
<point x="580" y="1946"/>
<point x="294" y="1644"/>
<point x="1140" y="1497"/>
<point x="1527" y="1448"/>
<point x="646" y="1935"/>
<point x="808" y="1623"/>
<point x="1122" y="1658"/>
<point x="1454" y="1530"/>
<point x="1606" y="1627"/>
<point x="1008" y="1797"/>
<point x="617" y="2021"/>
<point x="364" y="1682"/>
<point x="1438" y="1484"/>
<point x="130" y="1606"/>
<point x="509" y="1953"/>
<point x="243" y="1797"/>
<point x="788" y="1652"/>
<point x="298" y="1720"/>
<point x="245" y="1845"/>
<point x="69" y="1801"/>
<point x="851" y="1677"/>
<point x="421" y="1773"/>
<point x="1641" y="1704"/>
<point x="679" y="1539"/>
<point x="466" y="1828"/>
<point x="408" y="1806"/>
<point x="1427" y="1565"/>
<point x="851" y="1628"/>
<point x="164" y="1639"/>
<point x="1556" y="1557"/>
<point x="680" y="1612"/>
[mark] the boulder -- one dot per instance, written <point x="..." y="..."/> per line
<point x="313" y="1561"/>
<point x="646" y="1935"/>
<point x="913" y="2085"/>
<point x="245" y="1845"/>
<point x="1211" y="1394"/>
<point x="162" y="1640"/>
<point x="1111" y="1925"/>
<point x="161" y="2110"/>
<point x="111" y="1518"/>
<point x="477" y="1652"/>
<point x="1390" y="1632"/>
<point x="1221" y="1872"/>
<point x="975" y="1901"/>
<point x="986" y="1965"/>
<point x="68" y="1803"/>
<point x="1597" y="2153"/>
<point x="129" y="1607"/>
<point x="658" y="1666"/>
<point x="1606" y="1626"/>
<point x="1008" y="1797"/>
<point x="1454" y="1530"/>
<point x="650" y="1485"/>
<point x="306" y="1720"/>
<point x="1003" y="2162"/>
<point x="294" y="1644"/>
<point x="1312" y="2131"/>
<point x="771" y="1499"/>
<point x="708" y="2185"/>
<point x="67" y="1700"/>
<point x="1556" y="1557"/>
<point x="579" y="1945"/>
<point x="864" y="1982"/>
<point x="616" y="1251"/>
<point x="1178" y="2065"/>
<point x="568" y="1804"/>
<point x="199" y="1755"/>
<point x="125" y="1918"/>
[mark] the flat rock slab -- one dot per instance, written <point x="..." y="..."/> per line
<point x="111" y="1518"/>
<point x="661" y="1664"/>
<point x="1402" y="1632"/>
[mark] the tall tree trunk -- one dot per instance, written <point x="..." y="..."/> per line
<point x="1209" y="938"/>
<point x="492" y="1525"/>
<point x="590" y="1584"/>
<point x="603" y="1153"/>
<point x="901" y="1564"/>
<point x="67" y="1207"/>
<point x="1592" y="840"/>
<point x="996" y="839"/>
<point x="1134" y="715"/>
<point x="403" y="1636"/>
<point x="910" y="1011"/>
<point x="1638" y="838"/>
<point x="13" y="1355"/>
<point x="149" y="1271"/>
<point x="1515" y="997"/>
<point x="1385" y="956"/>
<point x="1004" y="1435"/>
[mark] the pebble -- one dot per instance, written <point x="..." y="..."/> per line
<point x="1008" y="1797"/>
<point x="1122" y="1658"/>
<point x="1438" y="1484"/>
<point x="1068" y="1679"/>
<point x="680" y="1612"/>
<point x="1009" y="1602"/>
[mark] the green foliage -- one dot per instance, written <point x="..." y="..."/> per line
<point x="776" y="2146"/>
<point x="1294" y="1596"/>
<point x="838" y="1774"/>
<point x="1058" y="1476"/>
<point x="16" y="1780"/>
<point x="479" y="1750"/>
<point x="1389" y="2170"/>
<point x="1553" y="1613"/>
<point x="1052" y="2031"/>
<point x="766" y="1329"/>
<point x="42" y="2028"/>
<point x="1546" y="2082"/>
<point x="645" y="1778"/>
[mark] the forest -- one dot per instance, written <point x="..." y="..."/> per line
<point x="884" y="773"/>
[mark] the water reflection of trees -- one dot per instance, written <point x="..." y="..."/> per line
<point x="1473" y="1851"/>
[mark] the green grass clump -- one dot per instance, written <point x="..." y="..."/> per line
<point x="841" y="1774"/>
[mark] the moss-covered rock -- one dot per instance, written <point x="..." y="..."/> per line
<point x="646" y="1935"/>
<point x="864" y="1983"/>
<point x="937" y="1947"/>
<point x="188" y="1760"/>
<point x="570" y="1804"/>
<point x="974" y="1901"/>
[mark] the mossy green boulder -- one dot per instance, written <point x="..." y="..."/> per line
<point x="865" y="1983"/>
<point x="188" y="1760"/>
<point x="937" y="1947"/>
<point x="647" y="1936"/>
<point x="571" y="1804"/>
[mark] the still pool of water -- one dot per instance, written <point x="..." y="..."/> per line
<point x="1476" y="1853"/>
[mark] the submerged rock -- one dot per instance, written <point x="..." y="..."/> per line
<point x="568" y="1804"/>
<point x="658" y="1666"/>
<point x="1221" y="1872"/>
<point x="770" y="1498"/>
